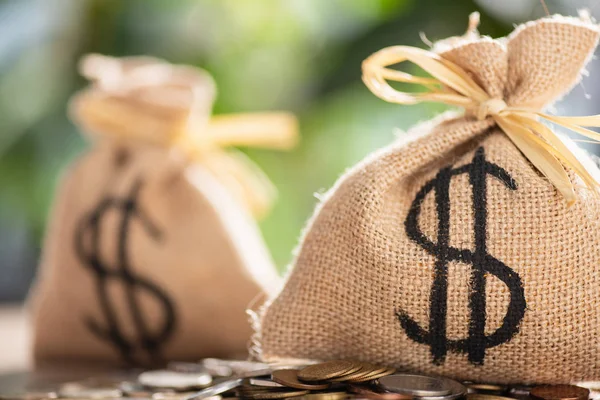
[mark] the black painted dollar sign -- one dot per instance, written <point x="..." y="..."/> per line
<point x="482" y="263"/>
<point x="145" y="347"/>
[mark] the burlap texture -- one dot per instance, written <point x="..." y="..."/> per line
<point x="147" y="258"/>
<point x="362" y="286"/>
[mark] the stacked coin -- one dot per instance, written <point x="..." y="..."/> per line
<point x="423" y="387"/>
<point x="325" y="381"/>
<point x="593" y="387"/>
<point x="545" y="392"/>
<point x="333" y="380"/>
<point x="175" y="380"/>
<point x="343" y="371"/>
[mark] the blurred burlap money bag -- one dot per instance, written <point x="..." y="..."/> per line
<point x="471" y="249"/>
<point x="152" y="253"/>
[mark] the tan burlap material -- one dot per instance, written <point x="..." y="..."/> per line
<point x="447" y="252"/>
<point x="148" y="257"/>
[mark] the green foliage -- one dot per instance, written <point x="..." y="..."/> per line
<point x="298" y="55"/>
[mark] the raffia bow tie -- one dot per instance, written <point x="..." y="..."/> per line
<point x="452" y="85"/>
<point x="143" y="99"/>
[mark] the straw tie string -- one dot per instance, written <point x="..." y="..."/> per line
<point x="450" y="84"/>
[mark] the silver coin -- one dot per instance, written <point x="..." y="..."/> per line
<point x="163" y="378"/>
<point x="415" y="385"/>
<point x="232" y="367"/>
<point x="215" y="367"/>
<point x="216" y="389"/>
<point x="134" y="389"/>
<point x="138" y="397"/>
<point x="265" y="383"/>
<point x="78" y="391"/>
<point x="591" y="385"/>
<point x="254" y="374"/>
<point x="519" y="391"/>
<point x="91" y="398"/>
<point x="32" y="395"/>
<point x="171" y="395"/>
<point x="188" y="367"/>
<point x="457" y="391"/>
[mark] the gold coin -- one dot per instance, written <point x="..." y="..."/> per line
<point x="276" y="394"/>
<point x="365" y="369"/>
<point x="487" y="388"/>
<point x="479" y="396"/>
<point x="559" y="392"/>
<point x="366" y="373"/>
<point x="328" y="370"/>
<point x="254" y="389"/>
<point x="325" y="396"/>
<point x="289" y="378"/>
<point x="386" y="372"/>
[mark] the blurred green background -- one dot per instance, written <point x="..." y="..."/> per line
<point x="298" y="55"/>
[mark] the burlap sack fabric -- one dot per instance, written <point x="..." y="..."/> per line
<point x="148" y="256"/>
<point x="447" y="252"/>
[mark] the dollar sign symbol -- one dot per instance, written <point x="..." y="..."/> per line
<point x="482" y="263"/>
<point x="148" y="341"/>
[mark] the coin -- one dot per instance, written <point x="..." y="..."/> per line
<point x="79" y="398"/>
<point x="216" y="367"/>
<point x="97" y="393"/>
<point x="481" y="396"/>
<point x="592" y="385"/>
<point x="187" y="367"/>
<point x="457" y="390"/>
<point x="364" y="392"/>
<point x="40" y="395"/>
<point x="220" y="367"/>
<point x="365" y="369"/>
<point x="171" y="379"/>
<point x="519" y="391"/>
<point x="289" y="378"/>
<point x="486" y="388"/>
<point x="170" y="395"/>
<point x="328" y="370"/>
<point x="32" y="395"/>
<point x="559" y="392"/>
<point x="254" y="374"/>
<point x="131" y="389"/>
<point x="276" y="394"/>
<point x="325" y="396"/>
<point x="373" y="370"/>
<point x="415" y="385"/>
<point x="264" y="383"/>
<point x="249" y="388"/>
<point x="216" y="389"/>
<point x="76" y="390"/>
<point x="375" y="375"/>
<point x="248" y="391"/>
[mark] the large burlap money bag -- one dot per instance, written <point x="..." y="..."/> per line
<point x="152" y="253"/>
<point x="470" y="249"/>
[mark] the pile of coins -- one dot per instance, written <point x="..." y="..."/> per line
<point x="215" y="379"/>
<point x="326" y="381"/>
